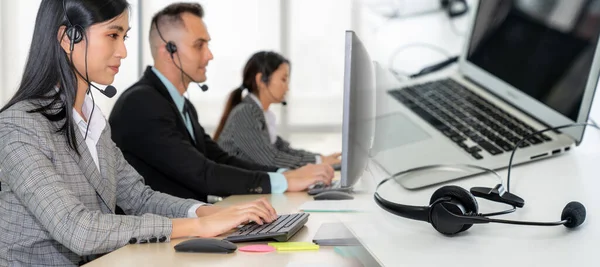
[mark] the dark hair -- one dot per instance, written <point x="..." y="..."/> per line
<point x="172" y="14"/>
<point x="263" y="62"/>
<point x="48" y="65"/>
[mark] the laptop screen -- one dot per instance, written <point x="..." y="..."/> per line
<point x="544" y="48"/>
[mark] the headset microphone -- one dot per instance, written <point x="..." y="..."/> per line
<point x="448" y="222"/>
<point x="109" y="91"/>
<point x="203" y="87"/>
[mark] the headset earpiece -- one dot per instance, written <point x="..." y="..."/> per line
<point x="461" y="202"/>
<point x="74" y="34"/>
<point x="171" y="48"/>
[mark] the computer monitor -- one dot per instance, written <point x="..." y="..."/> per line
<point x="359" y="110"/>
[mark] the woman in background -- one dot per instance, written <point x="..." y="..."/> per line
<point x="248" y="128"/>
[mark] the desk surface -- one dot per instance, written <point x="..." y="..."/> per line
<point x="163" y="254"/>
<point x="546" y="186"/>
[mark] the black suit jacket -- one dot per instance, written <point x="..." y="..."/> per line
<point x="150" y="131"/>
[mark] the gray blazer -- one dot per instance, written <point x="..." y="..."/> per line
<point x="246" y="135"/>
<point x="57" y="209"/>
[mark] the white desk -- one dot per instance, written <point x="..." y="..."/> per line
<point x="546" y="187"/>
<point x="163" y="254"/>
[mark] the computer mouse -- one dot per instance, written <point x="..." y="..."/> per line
<point x="337" y="167"/>
<point x="333" y="195"/>
<point x="206" y="245"/>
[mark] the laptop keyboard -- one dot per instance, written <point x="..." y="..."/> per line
<point x="470" y="121"/>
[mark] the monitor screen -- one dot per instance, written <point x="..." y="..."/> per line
<point x="543" y="48"/>
<point x="359" y="110"/>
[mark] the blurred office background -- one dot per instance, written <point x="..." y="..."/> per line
<point x="402" y="35"/>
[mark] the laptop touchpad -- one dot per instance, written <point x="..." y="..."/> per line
<point x="395" y="130"/>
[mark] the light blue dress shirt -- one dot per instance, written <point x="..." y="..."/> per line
<point x="278" y="182"/>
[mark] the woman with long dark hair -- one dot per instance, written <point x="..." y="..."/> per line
<point x="62" y="176"/>
<point x="248" y="128"/>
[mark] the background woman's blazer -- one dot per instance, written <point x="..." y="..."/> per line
<point x="246" y="135"/>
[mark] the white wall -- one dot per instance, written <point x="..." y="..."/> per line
<point x="15" y="41"/>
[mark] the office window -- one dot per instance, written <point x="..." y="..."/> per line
<point x="316" y="43"/>
<point x="238" y="29"/>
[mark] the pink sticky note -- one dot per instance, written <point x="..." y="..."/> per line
<point x="257" y="248"/>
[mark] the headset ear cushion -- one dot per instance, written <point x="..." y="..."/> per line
<point x="171" y="47"/>
<point x="458" y="194"/>
<point x="74" y="35"/>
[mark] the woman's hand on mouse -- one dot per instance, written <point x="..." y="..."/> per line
<point x="259" y="211"/>
<point x="301" y="178"/>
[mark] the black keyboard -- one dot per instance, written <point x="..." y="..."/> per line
<point x="322" y="187"/>
<point x="467" y="119"/>
<point x="280" y="230"/>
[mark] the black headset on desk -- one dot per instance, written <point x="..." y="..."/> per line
<point x="452" y="209"/>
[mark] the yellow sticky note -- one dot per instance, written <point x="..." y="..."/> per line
<point x="291" y="246"/>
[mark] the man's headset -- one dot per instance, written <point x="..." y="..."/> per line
<point x="265" y="79"/>
<point x="172" y="49"/>
<point x="452" y="209"/>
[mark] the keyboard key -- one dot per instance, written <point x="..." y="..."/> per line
<point x="534" y="140"/>
<point x="474" y="149"/>
<point x="489" y="148"/>
<point x="477" y="156"/>
<point x="504" y="145"/>
<point x="524" y="144"/>
<point x="458" y="138"/>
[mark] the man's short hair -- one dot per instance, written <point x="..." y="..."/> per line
<point x="172" y="14"/>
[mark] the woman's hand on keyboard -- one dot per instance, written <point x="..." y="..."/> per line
<point x="259" y="211"/>
<point x="301" y="178"/>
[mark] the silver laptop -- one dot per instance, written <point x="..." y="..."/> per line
<point x="524" y="68"/>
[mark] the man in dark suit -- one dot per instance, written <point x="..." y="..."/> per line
<point x="158" y="131"/>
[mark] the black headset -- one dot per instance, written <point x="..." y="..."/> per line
<point x="265" y="78"/>
<point x="75" y="34"/>
<point x="172" y="49"/>
<point x="453" y="209"/>
<point x="455" y="8"/>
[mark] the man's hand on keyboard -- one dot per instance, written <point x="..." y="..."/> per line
<point x="332" y="159"/>
<point x="259" y="211"/>
<point x="301" y="178"/>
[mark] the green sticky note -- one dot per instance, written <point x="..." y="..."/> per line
<point x="291" y="246"/>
